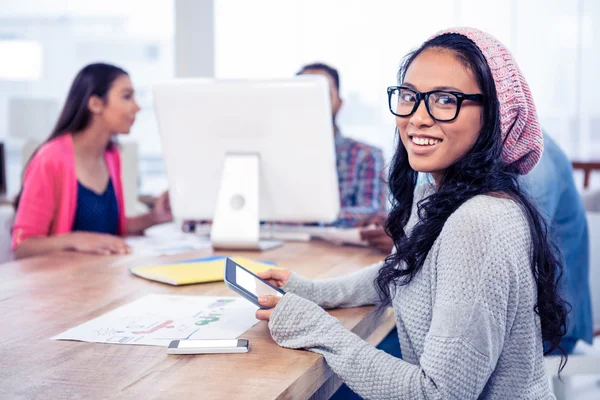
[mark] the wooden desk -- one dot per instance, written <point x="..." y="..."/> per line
<point x="44" y="296"/>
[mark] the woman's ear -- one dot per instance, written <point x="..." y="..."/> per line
<point x="95" y="105"/>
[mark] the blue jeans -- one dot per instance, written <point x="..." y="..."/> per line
<point x="391" y="345"/>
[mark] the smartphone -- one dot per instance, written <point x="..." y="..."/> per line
<point x="247" y="284"/>
<point x="208" y="346"/>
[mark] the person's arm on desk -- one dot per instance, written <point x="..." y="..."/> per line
<point x="35" y="216"/>
<point x="85" y="242"/>
<point x="377" y="237"/>
<point x="373" y="232"/>
<point x="36" y="243"/>
<point x="354" y="290"/>
<point x="161" y="213"/>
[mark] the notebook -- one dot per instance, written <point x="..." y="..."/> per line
<point x="206" y="269"/>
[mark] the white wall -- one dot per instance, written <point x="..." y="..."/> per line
<point x="137" y="35"/>
<point x="554" y="41"/>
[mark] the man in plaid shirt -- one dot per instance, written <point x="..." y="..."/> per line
<point x="359" y="165"/>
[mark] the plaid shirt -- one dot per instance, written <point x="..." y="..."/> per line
<point x="360" y="169"/>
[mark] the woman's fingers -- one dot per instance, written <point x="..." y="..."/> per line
<point x="268" y="301"/>
<point x="384" y="245"/>
<point x="371" y="234"/>
<point x="117" y="246"/>
<point x="103" y="251"/>
<point x="276" y="277"/>
<point x="373" y="219"/>
<point x="263" y="315"/>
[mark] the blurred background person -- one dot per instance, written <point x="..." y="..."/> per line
<point x="72" y="195"/>
<point x="359" y="165"/>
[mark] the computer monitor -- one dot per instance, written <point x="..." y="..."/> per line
<point x="240" y="151"/>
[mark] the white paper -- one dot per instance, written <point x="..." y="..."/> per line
<point x="157" y="246"/>
<point x="156" y="319"/>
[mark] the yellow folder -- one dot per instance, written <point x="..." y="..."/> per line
<point x="208" y="269"/>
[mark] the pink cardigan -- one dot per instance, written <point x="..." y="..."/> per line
<point x="49" y="198"/>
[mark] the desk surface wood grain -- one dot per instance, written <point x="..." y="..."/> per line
<point x="44" y="296"/>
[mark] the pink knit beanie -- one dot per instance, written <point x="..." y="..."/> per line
<point x="519" y="125"/>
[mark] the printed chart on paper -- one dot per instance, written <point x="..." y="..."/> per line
<point x="155" y="320"/>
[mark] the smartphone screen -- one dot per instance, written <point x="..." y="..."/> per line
<point x="207" y="344"/>
<point x="253" y="285"/>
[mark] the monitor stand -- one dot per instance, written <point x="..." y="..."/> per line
<point x="236" y="224"/>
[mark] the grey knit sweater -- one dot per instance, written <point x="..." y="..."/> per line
<point x="466" y="322"/>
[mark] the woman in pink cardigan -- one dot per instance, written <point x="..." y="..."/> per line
<point x="72" y="195"/>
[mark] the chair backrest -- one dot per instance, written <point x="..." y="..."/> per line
<point x="6" y="221"/>
<point x="2" y="170"/>
<point x="129" y="176"/>
<point x="593" y="219"/>
<point x="591" y="200"/>
<point x="29" y="148"/>
<point x="32" y="118"/>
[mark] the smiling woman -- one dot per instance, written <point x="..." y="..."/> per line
<point x="473" y="280"/>
<point x="438" y="132"/>
<point x="480" y="151"/>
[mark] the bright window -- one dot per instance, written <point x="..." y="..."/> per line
<point x="21" y="60"/>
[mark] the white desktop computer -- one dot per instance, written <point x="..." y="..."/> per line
<point x="238" y="152"/>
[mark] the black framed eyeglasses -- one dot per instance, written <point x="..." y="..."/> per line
<point x="442" y="105"/>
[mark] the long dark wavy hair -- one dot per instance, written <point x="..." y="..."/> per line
<point x="93" y="80"/>
<point x="480" y="171"/>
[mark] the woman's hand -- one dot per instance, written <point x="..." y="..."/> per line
<point x="374" y="234"/>
<point x="276" y="277"/>
<point x="376" y="237"/>
<point x="376" y="219"/>
<point x="96" y="243"/>
<point x="161" y="212"/>
<point x="266" y="301"/>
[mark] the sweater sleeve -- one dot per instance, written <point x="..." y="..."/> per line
<point x="37" y="203"/>
<point x="354" y="290"/>
<point x="472" y="304"/>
